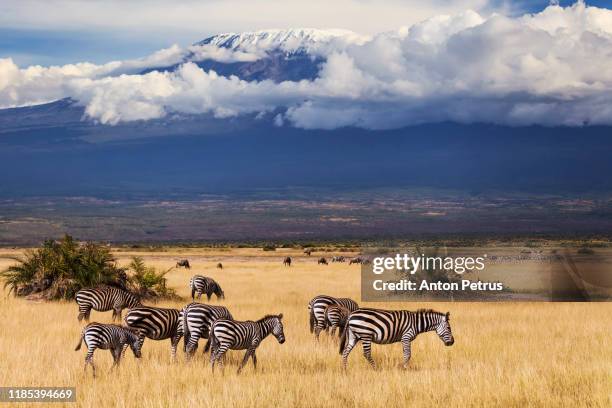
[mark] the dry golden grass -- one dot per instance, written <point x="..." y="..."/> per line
<point x="510" y="354"/>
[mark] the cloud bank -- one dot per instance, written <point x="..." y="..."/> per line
<point x="549" y="68"/>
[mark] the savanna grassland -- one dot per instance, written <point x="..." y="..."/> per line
<point x="505" y="354"/>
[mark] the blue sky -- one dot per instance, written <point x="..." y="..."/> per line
<point x="65" y="31"/>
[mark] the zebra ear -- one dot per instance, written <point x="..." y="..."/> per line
<point x="447" y="316"/>
<point x="280" y="316"/>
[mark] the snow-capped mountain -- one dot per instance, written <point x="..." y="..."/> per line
<point x="279" y="55"/>
<point x="307" y="40"/>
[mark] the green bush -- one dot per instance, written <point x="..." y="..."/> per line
<point x="61" y="268"/>
<point x="147" y="282"/>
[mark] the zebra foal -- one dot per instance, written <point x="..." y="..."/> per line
<point x="108" y="337"/>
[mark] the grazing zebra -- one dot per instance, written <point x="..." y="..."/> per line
<point x="103" y="299"/>
<point x="184" y="263"/>
<point x="338" y="259"/>
<point x="230" y="334"/>
<point x="322" y="261"/>
<point x="317" y="308"/>
<point x="287" y="261"/>
<point x="308" y="251"/>
<point x="391" y="326"/>
<point x="202" y="284"/>
<point x="194" y="323"/>
<point x="155" y="323"/>
<point x="335" y="317"/>
<point x="108" y="337"/>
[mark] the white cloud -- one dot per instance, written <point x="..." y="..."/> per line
<point x="550" y="68"/>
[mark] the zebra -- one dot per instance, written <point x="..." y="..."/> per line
<point x="155" y="323"/>
<point x="229" y="334"/>
<point x="317" y="308"/>
<point x="183" y="263"/>
<point x="391" y="326"/>
<point x="308" y="251"/>
<point x="335" y="317"/>
<point x="287" y="261"/>
<point x="356" y="260"/>
<point x="322" y="261"/>
<point x="202" y="284"/>
<point x="194" y="323"/>
<point x="103" y="299"/>
<point x="108" y="337"/>
<point x="338" y="259"/>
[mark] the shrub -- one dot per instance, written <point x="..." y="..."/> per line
<point x="61" y="268"/>
<point x="269" y="248"/>
<point x="147" y="283"/>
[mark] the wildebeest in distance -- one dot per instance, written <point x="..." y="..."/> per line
<point x="322" y="261"/>
<point x="183" y="263"/>
<point x="287" y="261"/>
<point x="219" y="265"/>
<point x="308" y="251"/>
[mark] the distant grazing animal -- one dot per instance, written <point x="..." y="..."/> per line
<point x="356" y="260"/>
<point x="194" y="322"/>
<point x="338" y="259"/>
<point x="335" y="317"/>
<point x="108" y="337"/>
<point x="391" y="326"/>
<point x="230" y="334"/>
<point x="317" y="308"/>
<point x="183" y="263"/>
<point x="156" y="324"/>
<point x="103" y="299"/>
<point x="219" y="265"/>
<point x="322" y="261"/>
<point x="308" y="251"/>
<point x="202" y="284"/>
<point x="287" y="261"/>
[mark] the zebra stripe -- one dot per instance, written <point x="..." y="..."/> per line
<point x="103" y="299"/>
<point x="317" y="308"/>
<point x="391" y="326"/>
<point x="156" y="324"/>
<point x="195" y="321"/>
<point x="335" y="317"/>
<point x="108" y="337"/>
<point x="230" y="334"/>
<point x="202" y="284"/>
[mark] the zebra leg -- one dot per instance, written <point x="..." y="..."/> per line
<point x="351" y="342"/>
<point x="333" y="330"/>
<point x="173" y="345"/>
<point x="406" y="347"/>
<point x="254" y="360"/>
<point x="367" y="351"/>
<point x="89" y="361"/>
<point x="244" y="360"/>
<point x="116" y="352"/>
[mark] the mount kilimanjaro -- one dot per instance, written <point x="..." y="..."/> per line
<point x="54" y="149"/>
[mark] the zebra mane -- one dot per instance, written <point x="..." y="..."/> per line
<point x="431" y="311"/>
<point x="270" y="316"/>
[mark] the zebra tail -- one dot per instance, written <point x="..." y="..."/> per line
<point x="211" y="341"/>
<point x="312" y="320"/>
<point x="186" y="334"/>
<point x="78" y="347"/>
<point x="343" y="336"/>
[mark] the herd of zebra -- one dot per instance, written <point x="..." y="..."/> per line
<point x="216" y="324"/>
